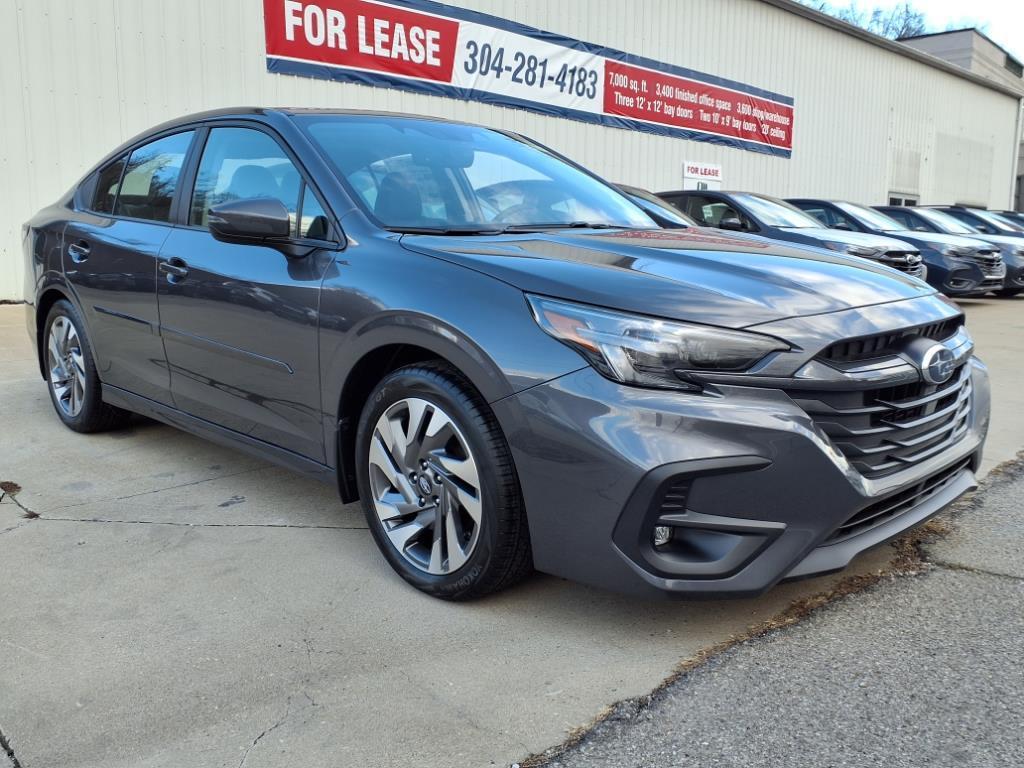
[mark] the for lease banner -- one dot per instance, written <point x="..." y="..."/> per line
<point x="429" y="47"/>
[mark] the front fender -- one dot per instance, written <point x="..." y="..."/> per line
<point x="380" y="294"/>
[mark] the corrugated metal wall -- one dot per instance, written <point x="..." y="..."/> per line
<point x="77" y="78"/>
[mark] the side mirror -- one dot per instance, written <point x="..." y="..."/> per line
<point x="731" y="223"/>
<point x="250" y="220"/>
<point x="843" y="226"/>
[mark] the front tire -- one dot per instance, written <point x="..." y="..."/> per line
<point x="438" y="486"/>
<point x="70" y="368"/>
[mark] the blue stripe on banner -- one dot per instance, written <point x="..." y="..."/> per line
<point x="464" y="14"/>
<point x="344" y="74"/>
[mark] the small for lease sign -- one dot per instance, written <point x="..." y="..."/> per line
<point x="701" y="176"/>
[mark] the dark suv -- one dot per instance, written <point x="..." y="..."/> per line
<point x="934" y="220"/>
<point x="957" y="265"/>
<point x="501" y="355"/>
<point x="778" y="220"/>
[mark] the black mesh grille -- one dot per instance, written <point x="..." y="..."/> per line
<point x="885" y="344"/>
<point x="895" y="505"/>
<point x="881" y="431"/>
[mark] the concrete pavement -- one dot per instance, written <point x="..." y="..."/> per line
<point x="180" y="603"/>
<point x="919" y="671"/>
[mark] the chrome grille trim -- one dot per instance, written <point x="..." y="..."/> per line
<point x="880" y="433"/>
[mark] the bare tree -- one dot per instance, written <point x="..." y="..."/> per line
<point x="903" y="20"/>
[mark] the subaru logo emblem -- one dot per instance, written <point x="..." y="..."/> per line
<point x="937" y="365"/>
<point x="425" y="485"/>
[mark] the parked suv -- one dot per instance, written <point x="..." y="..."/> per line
<point x="500" y="355"/>
<point x="778" y="220"/>
<point x="957" y="265"/>
<point x="933" y="220"/>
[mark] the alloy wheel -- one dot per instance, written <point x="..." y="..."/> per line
<point x="426" y="486"/>
<point x="66" y="365"/>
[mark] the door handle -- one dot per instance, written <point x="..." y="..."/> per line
<point x="79" y="251"/>
<point x="176" y="269"/>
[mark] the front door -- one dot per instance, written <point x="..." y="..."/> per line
<point x="110" y="255"/>
<point x="239" y="322"/>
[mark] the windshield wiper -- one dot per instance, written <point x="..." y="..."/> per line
<point x="580" y="225"/>
<point x="509" y="229"/>
<point x="449" y="231"/>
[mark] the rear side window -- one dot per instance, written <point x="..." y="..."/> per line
<point x="151" y="177"/>
<point x="105" y="192"/>
<point x="905" y="220"/>
<point x="240" y="163"/>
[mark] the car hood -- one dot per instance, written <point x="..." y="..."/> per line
<point x="680" y="274"/>
<point x="1017" y="242"/>
<point x="939" y="238"/>
<point x="852" y="238"/>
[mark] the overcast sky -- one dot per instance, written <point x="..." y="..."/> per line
<point x="1002" y="20"/>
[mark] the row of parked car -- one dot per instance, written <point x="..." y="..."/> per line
<point x="959" y="250"/>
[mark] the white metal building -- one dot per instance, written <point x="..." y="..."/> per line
<point x="872" y="119"/>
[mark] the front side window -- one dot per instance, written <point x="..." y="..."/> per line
<point x="104" y="194"/>
<point x="428" y="175"/>
<point x="150" y="178"/>
<point x="241" y="163"/>
<point x="906" y="220"/>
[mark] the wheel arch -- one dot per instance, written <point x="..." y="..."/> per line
<point x="49" y="296"/>
<point x="382" y="350"/>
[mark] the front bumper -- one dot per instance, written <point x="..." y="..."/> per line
<point x="756" y="489"/>
<point x="1014" y="280"/>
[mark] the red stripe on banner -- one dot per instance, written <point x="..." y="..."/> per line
<point x="362" y="35"/>
<point x="655" y="97"/>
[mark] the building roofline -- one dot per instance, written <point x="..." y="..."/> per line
<point x="975" y="30"/>
<point x="798" y="9"/>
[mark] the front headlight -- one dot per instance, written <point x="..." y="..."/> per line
<point x="646" y="351"/>
<point x="863" y="251"/>
<point x="958" y="251"/>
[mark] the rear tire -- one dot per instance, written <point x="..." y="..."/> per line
<point x="74" y="385"/>
<point x="438" y="485"/>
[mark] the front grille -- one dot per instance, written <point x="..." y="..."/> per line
<point x="881" y="431"/>
<point x="991" y="263"/>
<point x="898" y="260"/>
<point x="886" y="344"/>
<point x="893" y="506"/>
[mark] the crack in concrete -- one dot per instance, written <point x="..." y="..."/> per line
<point x="5" y="745"/>
<point x="158" y="490"/>
<point x="26" y="512"/>
<point x="962" y="568"/>
<point x="202" y="525"/>
<point x="274" y="727"/>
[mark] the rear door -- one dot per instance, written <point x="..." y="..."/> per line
<point x="111" y="244"/>
<point x="240" y="322"/>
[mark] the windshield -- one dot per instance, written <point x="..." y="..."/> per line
<point x="946" y="223"/>
<point x="871" y="218"/>
<point x="776" y="213"/>
<point x="425" y="175"/>
<point x="996" y="220"/>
